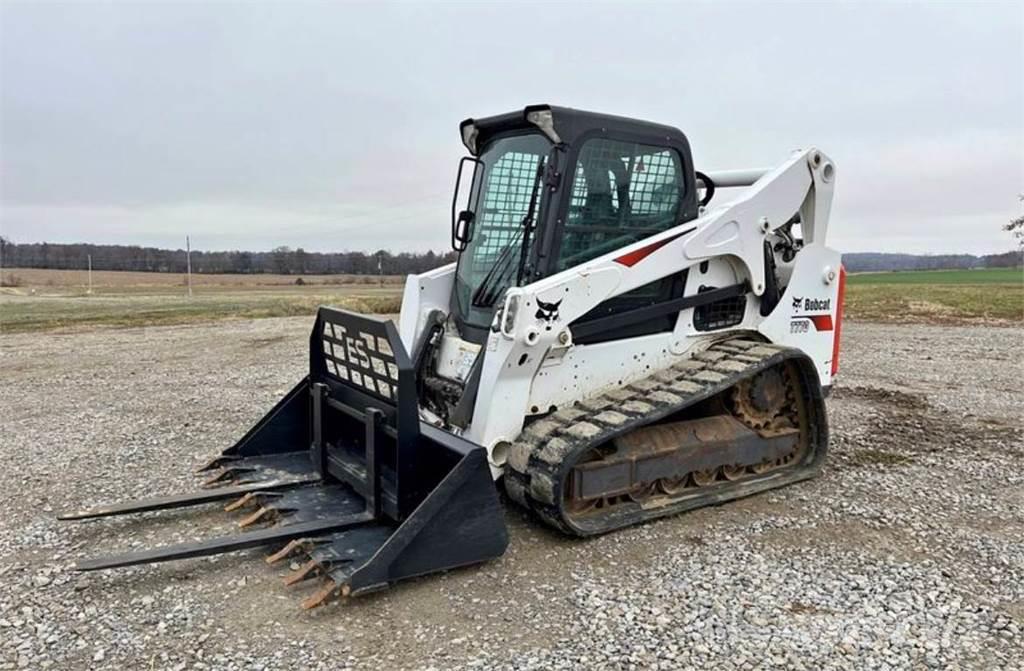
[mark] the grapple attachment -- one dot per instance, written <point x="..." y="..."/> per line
<point x="342" y="475"/>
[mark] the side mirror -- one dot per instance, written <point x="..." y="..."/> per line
<point x="462" y="230"/>
<point x="704" y="182"/>
<point x="463" y="213"/>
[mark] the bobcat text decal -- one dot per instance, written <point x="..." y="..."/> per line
<point x="811" y="304"/>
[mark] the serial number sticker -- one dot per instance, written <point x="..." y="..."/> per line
<point x="799" y="326"/>
<point x="465" y="362"/>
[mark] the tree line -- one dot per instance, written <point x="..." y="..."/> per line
<point x="875" y="262"/>
<point x="281" y="260"/>
<point x="288" y="261"/>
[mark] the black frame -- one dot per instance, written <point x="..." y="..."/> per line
<point x="391" y="418"/>
<point x="468" y="215"/>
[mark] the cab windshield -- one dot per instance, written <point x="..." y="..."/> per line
<point x="509" y="175"/>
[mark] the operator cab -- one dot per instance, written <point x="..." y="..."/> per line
<point x="548" y="188"/>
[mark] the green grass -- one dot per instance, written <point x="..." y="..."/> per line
<point x="979" y="276"/>
<point x="990" y="295"/>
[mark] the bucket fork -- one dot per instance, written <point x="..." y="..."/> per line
<point x="343" y="475"/>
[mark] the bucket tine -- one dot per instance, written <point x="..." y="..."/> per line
<point x="225" y="476"/>
<point x="223" y="544"/>
<point x="256" y="497"/>
<point x="217" y="462"/>
<point x="305" y="572"/>
<point x="293" y="547"/>
<point x="182" y="500"/>
<point x="329" y="591"/>
<point x="246" y="499"/>
<point x="262" y="515"/>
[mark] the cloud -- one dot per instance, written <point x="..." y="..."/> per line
<point x="334" y="126"/>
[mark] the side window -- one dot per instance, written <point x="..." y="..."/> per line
<point x="508" y="186"/>
<point x="622" y="192"/>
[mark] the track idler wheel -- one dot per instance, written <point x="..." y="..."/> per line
<point x="758" y="400"/>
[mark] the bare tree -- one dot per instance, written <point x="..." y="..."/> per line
<point x="1016" y="227"/>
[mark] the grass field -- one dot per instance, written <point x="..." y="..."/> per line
<point x="990" y="295"/>
<point x="76" y="282"/>
<point x="58" y="299"/>
<point x="1009" y="276"/>
<point x="54" y="299"/>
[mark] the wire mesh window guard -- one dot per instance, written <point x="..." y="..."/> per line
<point x="621" y="192"/>
<point x="509" y="170"/>
<point x="504" y="203"/>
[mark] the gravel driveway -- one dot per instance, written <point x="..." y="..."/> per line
<point x="907" y="553"/>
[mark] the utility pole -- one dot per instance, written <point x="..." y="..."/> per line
<point x="380" y="271"/>
<point x="188" y="265"/>
<point x="89" y="290"/>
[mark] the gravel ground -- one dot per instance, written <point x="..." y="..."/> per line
<point x="907" y="553"/>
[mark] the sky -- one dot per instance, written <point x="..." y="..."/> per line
<point x="334" y="126"/>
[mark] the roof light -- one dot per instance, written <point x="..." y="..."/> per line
<point x="544" y="120"/>
<point x="469" y="135"/>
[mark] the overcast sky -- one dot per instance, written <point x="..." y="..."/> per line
<point x="335" y="126"/>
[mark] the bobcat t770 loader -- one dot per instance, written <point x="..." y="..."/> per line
<point x="612" y="346"/>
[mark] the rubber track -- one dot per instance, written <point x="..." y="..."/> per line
<point x="548" y="448"/>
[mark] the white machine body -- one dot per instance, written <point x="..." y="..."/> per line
<point x="531" y="364"/>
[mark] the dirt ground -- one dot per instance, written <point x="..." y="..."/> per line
<point x="907" y="553"/>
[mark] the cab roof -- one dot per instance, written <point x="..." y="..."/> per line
<point x="560" y="125"/>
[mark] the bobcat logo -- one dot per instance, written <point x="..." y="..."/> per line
<point x="812" y="304"/>
<point x="547" y="311"/>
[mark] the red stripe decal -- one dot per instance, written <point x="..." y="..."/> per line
<point x="636" y="256"/>
<point x="822" y="322"/>
<point x="839" y="319"/>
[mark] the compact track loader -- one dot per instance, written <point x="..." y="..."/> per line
<point x="611" y="347"/>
